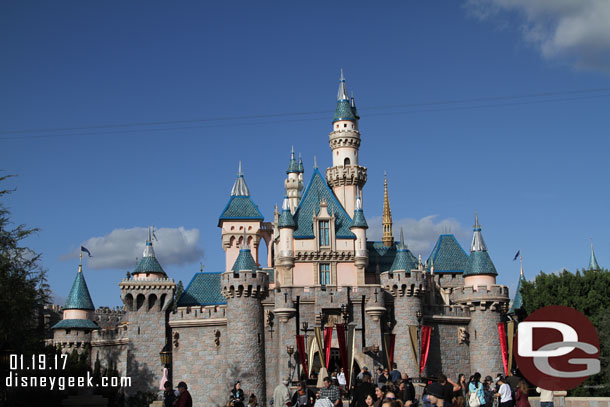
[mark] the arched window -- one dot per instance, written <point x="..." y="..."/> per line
<point x="346" y="162"/>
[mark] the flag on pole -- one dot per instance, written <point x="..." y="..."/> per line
<point x="517" y="255"/>
<point x="84" y="249"/>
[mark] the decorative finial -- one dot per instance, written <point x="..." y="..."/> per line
<point x="315" y="162"/>
<point x="342" y="79"/>
<point x="478" y="244"/>
<point x="239" y="172"/>
<point x="593" y="265"/>
<point x="402" y="239"/>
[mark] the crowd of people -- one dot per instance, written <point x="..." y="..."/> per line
<point x="391" y="388"/>
<point x="386" y="388"/>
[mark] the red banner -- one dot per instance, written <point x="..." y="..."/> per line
<point x="328" y="337"/>
<point x="503" y="346"/>
<point x="389" y="342"/>
<point x="342" y="348"/>
<point x="425" y="347"/>
<point x="301" y="351"/>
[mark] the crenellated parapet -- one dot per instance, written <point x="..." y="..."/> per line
<point x="342" y="138"/>
<point x="494" y="296"/>
<point x="107" y="317"/>
<point x="245" y="284"/>
<point x="346" y="175"/>
<point x="118" y="335"/>
<point x="404" y="283"/>
<point x="148" y="295"/>
<point x="205" y="315"/>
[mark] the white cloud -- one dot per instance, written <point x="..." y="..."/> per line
<point x="120" y="248"/>
<point x="575" y="31"/>
<point x="420" y="235"/>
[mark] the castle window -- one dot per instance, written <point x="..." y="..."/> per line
<point x="346" y="162"/>
<point x="324" y="233"/>
<point x="324" y="274"/>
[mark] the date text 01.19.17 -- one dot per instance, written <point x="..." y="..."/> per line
<point x="38" y="362"/>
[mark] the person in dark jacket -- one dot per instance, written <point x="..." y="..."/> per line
<point x="362" y="390"/>
<point x="169" y="395"/>
<point x="237" y="395"/>
<point x="184" y="399"/>
<point x="303" y="397"/>
<point x="406" y="391"/>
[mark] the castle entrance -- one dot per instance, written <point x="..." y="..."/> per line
<point x="334" y="364"/>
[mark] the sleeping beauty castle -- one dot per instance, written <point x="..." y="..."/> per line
<point x="330" y="297"/>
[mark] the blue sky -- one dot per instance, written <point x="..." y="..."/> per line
<point x="467" y="105"/>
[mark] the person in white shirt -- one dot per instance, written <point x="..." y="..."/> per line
<point x="341" y="379"/>
<point x="504" y="393"/>
<point x="546" y="397"/>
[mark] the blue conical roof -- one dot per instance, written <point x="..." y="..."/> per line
<point x="447" y="255"/>
<point x="359" y="221"/>
<point x="149" y="263"/>
<point x="293" y="166"/>
<point x="286" y="220"/>
<point x="479" y="262"/>
<point x="79" y="297"/>
<point x="404" y="259"/>
<point x="244" y="261"/>
<point x="344" y="110"/>
<point x="517" y="301"/>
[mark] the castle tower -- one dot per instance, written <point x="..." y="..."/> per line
<point x="286" y="225"/>
<point x="593" y="265"/>
<point x="486" y="301"/>
<point x="294" y="182"/>
<point x="244" y="287"/>
<point x="147" y="296"/>
<point x="74" y="330"/>
<point x="517" y="301"/>
<point x="406" y="282"/>
<point x="388" y="238"/>
<point x="345" y="177"/>
<point x="240" y="215"/>
<point x="358" y="228"/>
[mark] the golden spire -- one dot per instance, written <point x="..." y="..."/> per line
<point x="387" y="239"/>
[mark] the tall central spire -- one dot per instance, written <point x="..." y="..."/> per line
<point x="148" y="249"/>
<point x="388" y="238"/>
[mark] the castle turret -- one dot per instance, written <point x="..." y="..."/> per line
<point x="358" y="228"/>
<point x="487" y="302"/>
<point x="388" y="237"/>
<point x="286" y="225"/>
<point x="240" y="215"/>
<point x="406" y="282"/>
<point x="345" y="177"/>
<point x="244" y="287"/>
<point x="294" y="182"/>
<point x="74" y="330"/>
<point x="148" y="296"/>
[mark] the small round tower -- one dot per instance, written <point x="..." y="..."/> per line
<point x="74" y="330"/>
<point x="487" y="302"/>
<point x="345" y="177"/>
<point x="406" y="282"/>
<point x="245" y="287"/>
<point x="294" y="182"/>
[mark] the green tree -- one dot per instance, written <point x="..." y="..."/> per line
<point x="23" y="287"/>
<point x="587" y="291"/>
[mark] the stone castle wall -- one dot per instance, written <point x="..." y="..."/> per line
<point x="200" y="351"/>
